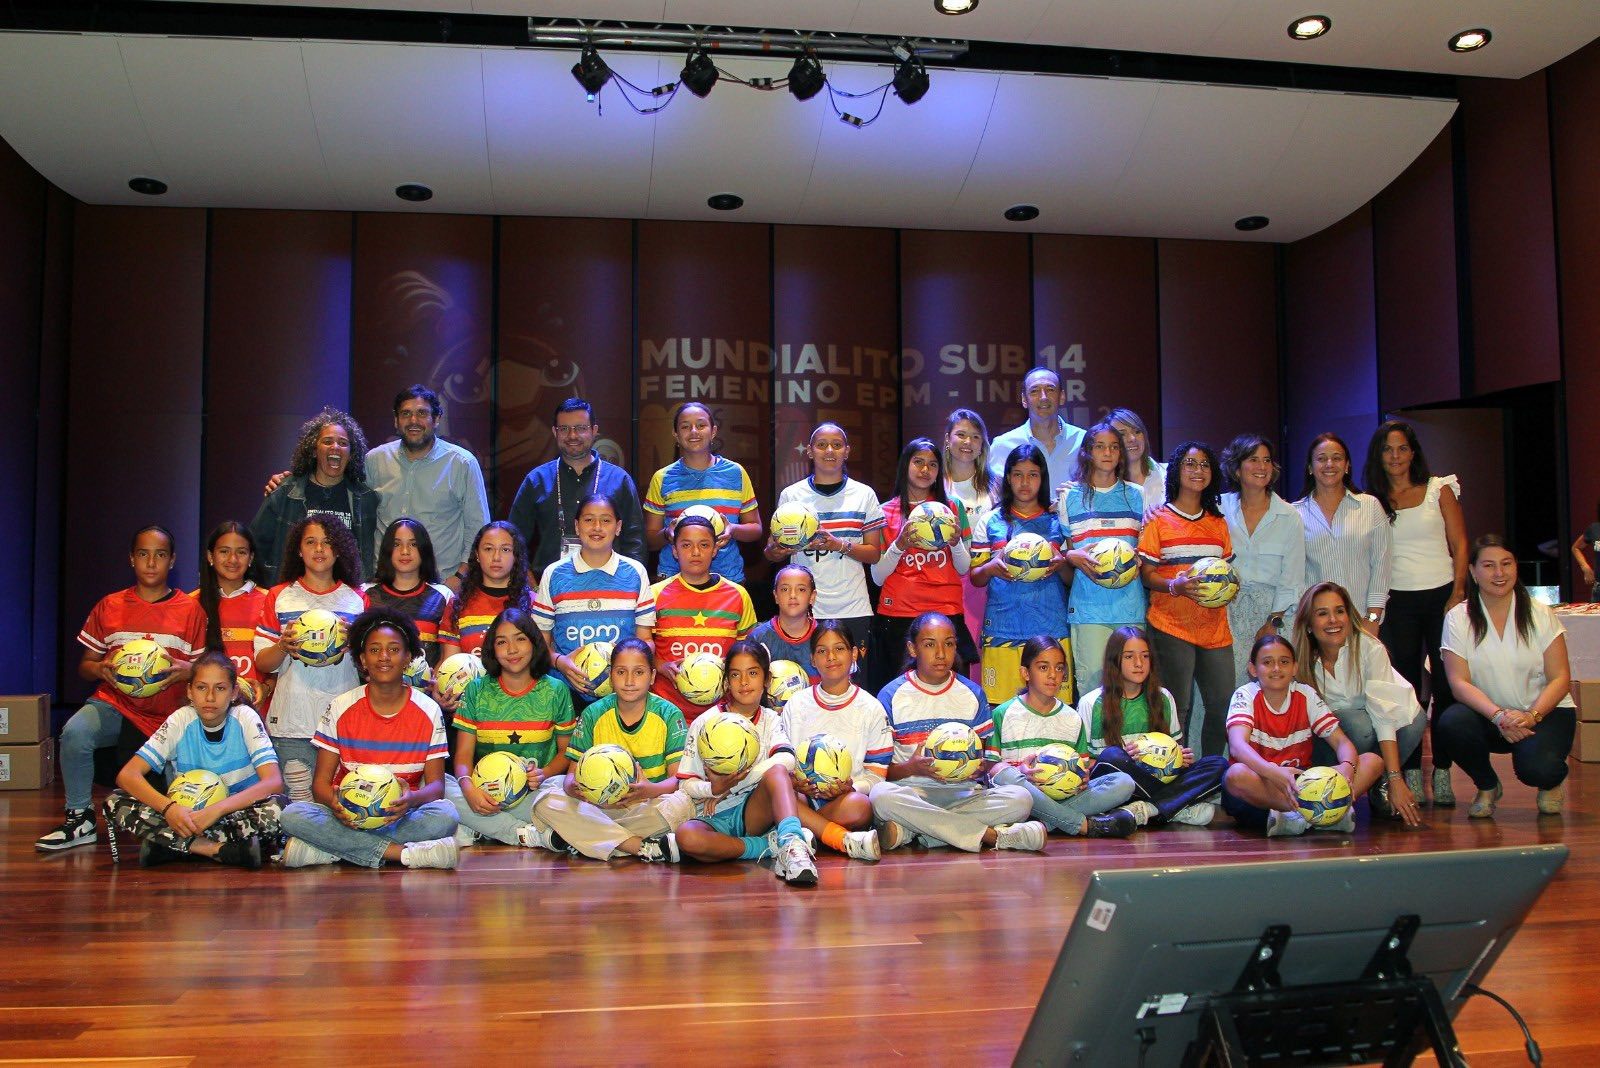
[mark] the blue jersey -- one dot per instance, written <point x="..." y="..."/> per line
<point x="1090" y="515"/>
<point x="771" y="637"/>
<point x="724" y="486"/>
<point x="579" y="604"/>
<point x="1017" y="611"/>
<point x="915" y="709"/>
<point x="180" y="744"/>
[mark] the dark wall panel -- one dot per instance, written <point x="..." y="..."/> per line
<point x="54" y="330"/>
<point x="1094" y="318"/>
<point x="422" y="305"/>
<point x="134" y="398"/>
<point x="1219" y="349"/>
<point x="278" y="346"/>
<point x="1575" y="119"/>
<point x="705" y="333"/>
<point x="1515" y="340"/>
<point x="965" y="327"/>
<point x="565" y="330"/>
<point x="22" y="230"/>
<point x="1330" y="367"/>
<point x="835" y="335"/>
<point x="1414" y="264"/>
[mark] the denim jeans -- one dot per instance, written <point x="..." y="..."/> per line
<point x="1357" y="727"/>
<point x="315" y="825"/>
<point x="94" y="726"/>
<point x="501" y="826"/>
<point x="1101" y="794"/>
<point x="297" y="759"/>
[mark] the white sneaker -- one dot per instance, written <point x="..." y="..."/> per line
<point x="301" y="854"/>
<point x="465" y="836"/>
<point x="1549" y="801"/>
<point x="772" y="842"/>
<point x="1027" y="836"/>
<point x="1280" y="824"/>
<point x="1143" y="811"/>
<point x="892" y="836"/>
<point x="861" y="845"/>
<point x="534" y="836"/>
<point x="663" y="849"/>
<point x="439" y="853"/>
<point x="1346" y="824"/>
<point x="1199" y="814"/>
<point x="793" y="864"/>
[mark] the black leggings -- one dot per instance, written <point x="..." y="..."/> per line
<point x="1539" y="760"/>
<point x="1413" y="625"/>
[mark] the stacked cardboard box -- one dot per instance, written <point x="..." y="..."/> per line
<point x="27" y="753"/>
<point x="1586" y="746"/>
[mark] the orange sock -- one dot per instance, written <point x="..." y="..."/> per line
<point x="833" y="837"/>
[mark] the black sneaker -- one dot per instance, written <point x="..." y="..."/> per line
<point x="1119" y="823"/>
<point x="152" y="854"/>
<point x="245" y="854"/>
<point x="78" y="830"/>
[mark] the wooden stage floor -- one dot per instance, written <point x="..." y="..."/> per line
<point x="519" y="957"/>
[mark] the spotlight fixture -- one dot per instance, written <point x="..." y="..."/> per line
<point x="699" y="72"/>
<point x="954" y="7"/>
<point x="150" y="187"/>
<point x="806" y="77"/>
<point x="1310" y="27"/>
<point x="725" y="201"/>
<point x="591" y="71"/>
<point x="415" y="192"/>
<point x="1470" y="40"/>
<point x="910" y="79"/>
<point x="1251" y="222"/>
<point x="1022" y="213"/>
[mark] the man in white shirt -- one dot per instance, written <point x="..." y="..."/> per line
<point x="1045" y="427"/>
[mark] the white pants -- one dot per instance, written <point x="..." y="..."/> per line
<point x="947" y="813"/>
<point x="596" y="832"/>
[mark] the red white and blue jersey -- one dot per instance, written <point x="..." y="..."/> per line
<point x="466" y="622"/>
<point x="1282" y="736"/>
<point x="180" y="745"/>
<point x="849" y="513"/>
<point x="915" y="709"/>
<point x="175" y="623"/>
<point x="855" y="718"/>
<point x="424" y="605"/>
<point x="404" y="742"/>
<point x="303" y="691"/>
<point x="578" y="604"/>
<point x="770" y="636"/>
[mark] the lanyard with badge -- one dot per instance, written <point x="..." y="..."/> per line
<point x="569" y="539"/>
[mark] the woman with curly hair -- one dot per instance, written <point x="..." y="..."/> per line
<point x="327" y="474"/>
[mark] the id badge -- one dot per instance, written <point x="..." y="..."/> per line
<point x="569" y="548"/>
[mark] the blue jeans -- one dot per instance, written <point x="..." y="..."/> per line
<point x="94" y="726"/>
<point x="1197" y="782"/>
<point x="1539" y="760"/>
<point x="315" y="825"/>
<point x="501" y="827"/>
<point x="297" y="759"/>
<point x="1101" y="794"/>
<point x="1357" y="727"/>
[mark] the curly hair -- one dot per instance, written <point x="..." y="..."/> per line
<point x="1211" y="495"/>
<point x="518" y="595"/>
<point x="304" y="460"/>
<point x="372" y="619"/>
<point x="347" y="557"/>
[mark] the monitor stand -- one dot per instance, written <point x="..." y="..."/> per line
<point x="1377" y="1017"/>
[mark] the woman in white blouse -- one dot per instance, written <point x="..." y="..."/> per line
<point x="1269" y="546"/>
<point x="966" y="473"/>
<point x="1143" y="468"/>
<point x="1377" y="709"/>
<point x="1427" y="574"/>
<point x="1347" y="534"/>
<point x="1507" y="658"/>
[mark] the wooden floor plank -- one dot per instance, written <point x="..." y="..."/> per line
<point x="928" y="957"/>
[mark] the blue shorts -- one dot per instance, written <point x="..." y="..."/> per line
<point x="730" y="820"/>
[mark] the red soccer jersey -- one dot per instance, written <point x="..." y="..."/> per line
<point x="403" y="743"/>
<point x="466" y="622"/>
<point x="238" y="615"/>
<point x="175" y="622"/>
<point x="1282" y="737"/>
<point x="697" y="621"/>
<point x="924" y="580"/>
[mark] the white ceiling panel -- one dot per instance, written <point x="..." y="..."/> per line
<point x="388" y="114"/>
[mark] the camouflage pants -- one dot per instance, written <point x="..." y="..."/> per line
<point x="128" y="815"/>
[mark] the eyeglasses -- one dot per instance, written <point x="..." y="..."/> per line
<point x="1192" y="464"/>
<point x="573" y="431"/>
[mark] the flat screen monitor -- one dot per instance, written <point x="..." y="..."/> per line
<point x="1148" y="945"/>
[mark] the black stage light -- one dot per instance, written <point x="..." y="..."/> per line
<point x="910" y="80"/>
<point x="591" y="71"/>
<point x="806" y="77"/>
<point x="725" y="201"/>
<point x="699" y="73"/>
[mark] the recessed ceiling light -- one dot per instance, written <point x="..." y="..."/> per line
<point x="1251" y="222"/>
<point x="150" y="187"/>
<point x="954" y="7"/>
<point x="415" y="192"/>
<point x="1021" y="213"/>
<point x="1309" y="27"/>
<point x="725" y="201"/>
<point x="1470" y="40"/>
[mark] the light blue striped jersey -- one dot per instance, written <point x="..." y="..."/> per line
<point x="180" y="744"/>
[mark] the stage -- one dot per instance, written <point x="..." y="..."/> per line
<point x="930" y="957"/>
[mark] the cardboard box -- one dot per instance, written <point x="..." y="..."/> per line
<point x="1586" y="693"/>
<point x="29" y="767"/>
<point x="1586" y="746"/>
<point x="24" y="718"/>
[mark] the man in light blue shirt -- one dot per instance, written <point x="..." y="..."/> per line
<point x="1045" y="427"/>
<point x="422" y="476"/>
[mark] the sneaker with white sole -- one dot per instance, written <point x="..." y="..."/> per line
<point x="439" y="853"/>
<point x="1143" y="811"/>
<point x="1029" y="836"/>
<point x="892" y="836"/>
<point x="77" y="830"/>
<point x="793" y="864"/>
<point x="1482" y="807"/>
<point x="861" y="845"/>
<point x="1199" y="814"/>
<point x="1444" y="795"/>
<point x="772" y="842"/>
<point x="1281" y="824"/>
<point x="662" y="849"/>
<point x="1549" y="801"/>
<point x="465" y="836"/>
<point x="1346" y="824"/>
<point x="534" y="836"/>
<point x="302" y="854"/>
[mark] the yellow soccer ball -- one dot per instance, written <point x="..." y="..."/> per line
<point x="727" y="742"/>
<point x="1216" y="582"/>
<point x="785" y="678"/>
<point x="1027" y="557"/>
<point x="196" y="789"/>
<point x="322" y="638"/>
<point x="700" y="677"/>
<point x="368" y="794"/>
<point x="825" y="761"/>
<point x="1116" y="564"/>
<point x="594" y="660"/>
<point x="932" y="525"/>
<point x="503" y="778"/>
<point x="455" y="672"/>
<point x="793" y="526"/>
<point x="605" y="774"/>
<point x="1324" y="796"/>
<point x="140" y="668"/>
<point x="1159" y="754"/>
<point x="956" y="751"/>
<point x="719" y="525"/>
<point x="1059" y="771"/>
